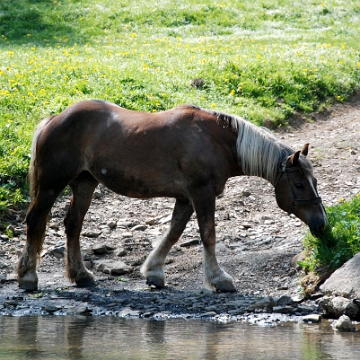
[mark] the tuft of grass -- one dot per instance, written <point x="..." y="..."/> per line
<point x="263" y="61"/>
<point x="340" y="242"/>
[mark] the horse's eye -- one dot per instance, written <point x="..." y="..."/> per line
<point x="299" y="186"/>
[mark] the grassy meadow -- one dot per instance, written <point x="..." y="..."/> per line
<point x="263" y="60"/>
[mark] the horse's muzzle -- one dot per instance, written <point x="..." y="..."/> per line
<point x="318" y="227"/>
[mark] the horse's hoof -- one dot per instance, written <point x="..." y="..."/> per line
<point x="28" y="285"/>
<point x="85" y="283"/>
<point x="155" y="281"/>
<point x="28" y="282"/>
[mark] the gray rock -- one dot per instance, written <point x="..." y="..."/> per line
<point x="345" y="281"/>
<point x="99" y="249"/>
<point x="126" y="235"/>
<point x="303" y="309"/>
<point x="124" y="223"/>
<point x="88" y="264"/>
<point x="120" y="252"/>
<point x="4" y="265"/>
<point x="286" y="309"/>
<point x="191" y="242"/>
<point x="52" y="308"/>
<point x="78" y="310"/>
<point x="128" y="312"/>
<point x="98" y="194"/>
<point x="343" y="324"/>
<point x="151" y="221"/>
<point x="284" y="300"/>
<point x="337" y="306"/>
<point x="111" y="224"/>
<point x="265" y="303"/>
<point x="312" y="318"/>
<point x="112" y="267"/>
<point x="58" y="252"/>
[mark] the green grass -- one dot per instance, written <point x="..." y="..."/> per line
<point x="263" y="60"/>
<point x="341" y="240"/>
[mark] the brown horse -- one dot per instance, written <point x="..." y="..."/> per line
<point x="187" y="153"/>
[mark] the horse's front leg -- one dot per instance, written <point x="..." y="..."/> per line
<point x="214" y="277"/>
<point x="152" y="269"/>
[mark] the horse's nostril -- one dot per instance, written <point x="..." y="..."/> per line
<point x="318" y="229"/>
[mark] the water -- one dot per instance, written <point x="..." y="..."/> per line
<point x="58" y="337"/>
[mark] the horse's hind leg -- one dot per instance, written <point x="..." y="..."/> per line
<point x="82" y="187"/>
<point x="152" y="269"/>
<point x="35" y="233"/>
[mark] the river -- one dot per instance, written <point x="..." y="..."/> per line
<point x="60" y="337"/>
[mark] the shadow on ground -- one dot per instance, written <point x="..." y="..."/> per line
<point x="37" y="22"/>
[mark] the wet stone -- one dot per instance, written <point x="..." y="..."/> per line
<point x="52" y="308"/>
<point x="312" y="318"/>
<point x="128" y="312"/>
<point x="265" y="303"/>
<point x="344" y="324"/>
<point x="284" y="309"/>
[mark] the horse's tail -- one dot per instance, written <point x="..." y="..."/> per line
<point x="32" y="175"/>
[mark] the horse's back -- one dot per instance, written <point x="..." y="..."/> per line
<point x="136" y="153"/>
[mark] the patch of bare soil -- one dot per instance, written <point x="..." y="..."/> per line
<point x="256" y="240"/>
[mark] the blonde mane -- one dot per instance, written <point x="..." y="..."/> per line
<point x="260" y="153"/>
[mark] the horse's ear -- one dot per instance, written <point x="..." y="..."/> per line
<point x="294" y="159"/>
<point x="305" y="149"/>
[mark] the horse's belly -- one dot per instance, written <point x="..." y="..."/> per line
<point x="141" y="185"/>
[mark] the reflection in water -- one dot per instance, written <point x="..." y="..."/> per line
<point x="55" y="337"/>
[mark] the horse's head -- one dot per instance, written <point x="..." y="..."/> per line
<point x="296" y="193"/>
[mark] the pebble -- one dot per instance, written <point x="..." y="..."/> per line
<point x="120" y="252"/>
<point x="91" y="233"/>
<point x="111" y="224"/>
<point x="112" y="267"/>
<point x="126" y="235"/>
<point x="58" y="252"/>
<point x="139" y="228"/>
<point x="99" y="249"/>
<point x="191" y="242"/>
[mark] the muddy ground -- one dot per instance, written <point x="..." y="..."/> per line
<point x="256" y="240"/>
